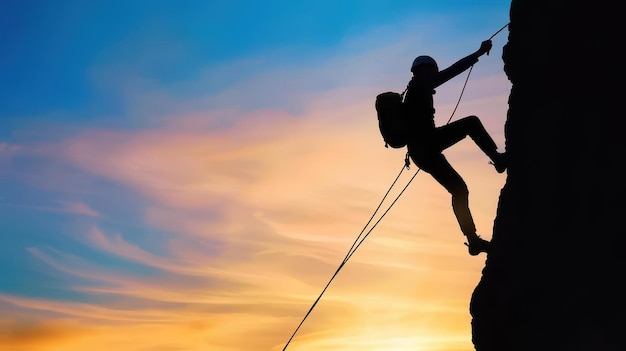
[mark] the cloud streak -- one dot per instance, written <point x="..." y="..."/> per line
<point x="247" y="202"/>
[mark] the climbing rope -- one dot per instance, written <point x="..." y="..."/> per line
<point x="499" y="30"/>
<point x="361" y="237"/>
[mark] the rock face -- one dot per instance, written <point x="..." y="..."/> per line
<point x="554" y="279"/>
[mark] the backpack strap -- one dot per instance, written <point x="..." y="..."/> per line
<point x="404" y="92"/>
<point x="407" y="158"/>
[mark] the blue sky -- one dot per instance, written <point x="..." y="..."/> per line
<point x="196" y="170"/>
<point x="51" y="49"/>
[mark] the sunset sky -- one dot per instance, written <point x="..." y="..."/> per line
<point x="188" y="175"/>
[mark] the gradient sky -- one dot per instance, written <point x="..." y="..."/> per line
<point x="188" y="175"/>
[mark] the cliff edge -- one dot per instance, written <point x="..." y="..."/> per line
<point x="554" y="277"/>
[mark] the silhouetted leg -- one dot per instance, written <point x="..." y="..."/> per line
<point x="439" y="167"/>
<point x="456" y="131"/>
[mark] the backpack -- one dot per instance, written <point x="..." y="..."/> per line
<point x="392" y="119"/>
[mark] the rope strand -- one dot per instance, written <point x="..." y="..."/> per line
<point x="499" y="30"/>
<point x="352" y="249"/>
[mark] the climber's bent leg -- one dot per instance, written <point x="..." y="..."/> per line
<point x="454" y="132"/>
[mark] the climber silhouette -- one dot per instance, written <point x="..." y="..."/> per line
<point x="427" y="142"/>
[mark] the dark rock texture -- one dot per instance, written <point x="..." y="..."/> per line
<point x="554" y="279"/>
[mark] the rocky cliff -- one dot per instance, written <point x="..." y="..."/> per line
<point x="554" y="279"/>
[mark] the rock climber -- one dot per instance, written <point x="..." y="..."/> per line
<point x="426" y="142"/>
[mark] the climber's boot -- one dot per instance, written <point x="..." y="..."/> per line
<point x="500" y="162"/>
<point x="475" y="245"/>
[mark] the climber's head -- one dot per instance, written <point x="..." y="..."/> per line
<point x="424" y="64"/>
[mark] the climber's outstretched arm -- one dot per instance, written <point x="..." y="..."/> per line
<point x="462" y="64"/>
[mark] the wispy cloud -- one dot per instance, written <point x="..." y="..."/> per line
<point x="247" y="201"/>
<point x="42" y="335"/>
<point x="78" y="207"/>
<point x="7" y="149"/>
<point x="257" y="227"/>
<point x="68" y="207"/>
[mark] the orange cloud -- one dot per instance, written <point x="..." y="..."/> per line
<point x="261" y="208"/>
<point x="46" y="335"/>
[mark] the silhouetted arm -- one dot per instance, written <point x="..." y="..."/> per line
<point x="462" y="64"/>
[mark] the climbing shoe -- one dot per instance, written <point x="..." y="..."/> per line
<point x="476" y="245"/>
<point x="500" y="162"/>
